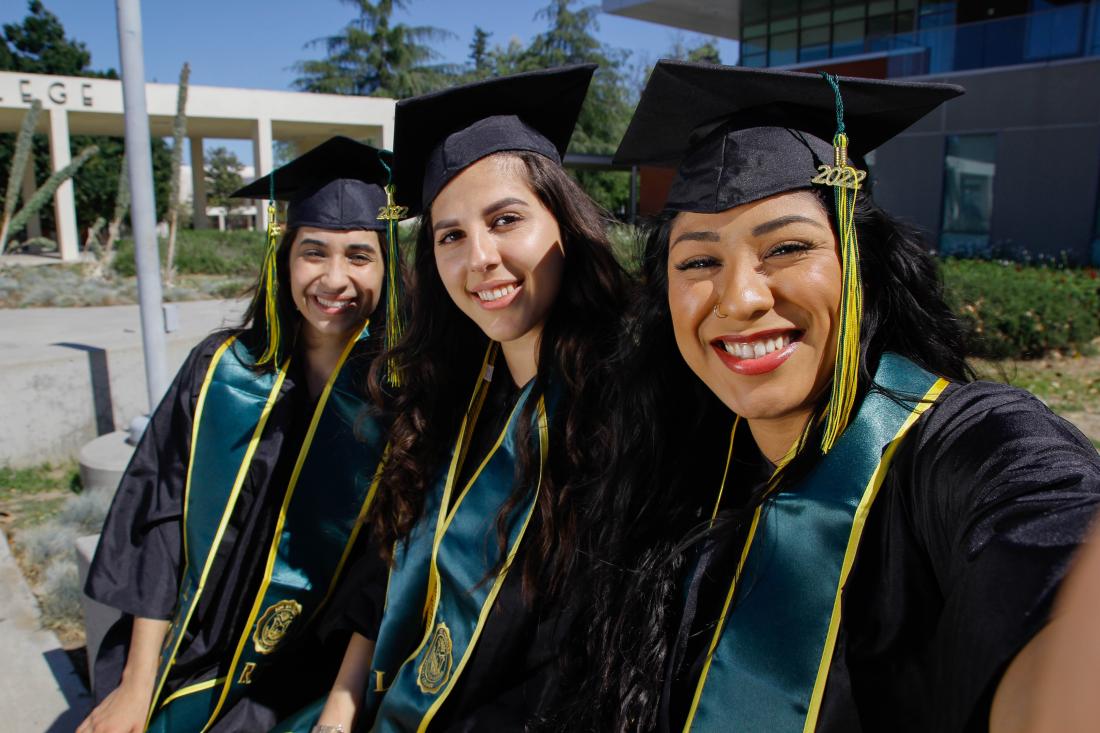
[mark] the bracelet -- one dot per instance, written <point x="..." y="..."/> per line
<point x="338" y="728"/>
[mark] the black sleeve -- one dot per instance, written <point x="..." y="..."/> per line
<point x="360" y="596"/>
<point x="137" y="563"/>
<point x="1002" y="493"/>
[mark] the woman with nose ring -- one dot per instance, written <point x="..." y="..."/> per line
<point x="501" y="428"/>
<point x="849" y="533"/>
<point x="244" y="499"/>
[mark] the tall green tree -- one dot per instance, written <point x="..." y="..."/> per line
<point x="38" y="44"/>
<point x="570" y="38"/>
<point x="223" y="175"/>
<point x="702" y="51"/>
<point x="372" y="55"/>
<point x="479" y="52"/>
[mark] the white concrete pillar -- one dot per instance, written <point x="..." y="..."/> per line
<point x="199" y="219"/>
<point x="64" y="202"/>
<point x="30" y="185"/>
<point x="263" y="156"/>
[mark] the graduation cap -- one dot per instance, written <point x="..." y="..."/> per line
<point x="337" y="185"/>
<point x="439" y="135"/>
<point x="739" y="135"/>
<point x="341" y="184"/>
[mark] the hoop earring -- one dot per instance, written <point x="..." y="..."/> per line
<point x="718" y="313"/>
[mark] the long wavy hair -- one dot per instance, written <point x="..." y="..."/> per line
<point x="665" y="479"/>
<point x="439" y="358"/>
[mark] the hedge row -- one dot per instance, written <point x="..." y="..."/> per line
<point x="1012" y="310"/>
<point x="204" y="252"/>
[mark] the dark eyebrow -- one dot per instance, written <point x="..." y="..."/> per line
<point x="770" y="226"/>
<point x="495" y="206"/>
<point x="703" y="236"/>
<point x="311" y="240"/>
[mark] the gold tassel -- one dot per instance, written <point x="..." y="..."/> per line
<point x="846" y="370"/>
<point x="846" y="182"/>
<point x="391" y="213"/>
<point x="270" y="284"/>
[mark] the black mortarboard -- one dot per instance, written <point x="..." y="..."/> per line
<point x="738" y="135"/>
<point x="337" y="185"/>
<point x="439" y="134"/>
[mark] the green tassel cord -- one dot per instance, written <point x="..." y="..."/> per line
<point x="391" y="213"/>
<point x="270" y="283"/>
<point x="846" y="370"/>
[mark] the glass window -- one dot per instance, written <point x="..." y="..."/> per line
<point x="968" y="193"/>
<point x="783" y="26"/>
<point x="757" y="29"/>
<point x="783" y="49"/>
<point x="754" y="11"/>
<point x="905" y="21"/>
<point x="883" y="25"/>
<point x="934" y="15"/>
<point x="848" y="38"/>
<point x="756" y="61"/>
<point x="808" y="5"/>
<point x="881" y="7"/>
<point x="814" y="44"/>
<point x="907" y="5"/>
<point x="753" y="46"/>
<point x="815" y="19"/>
<point x="849" y="13"/>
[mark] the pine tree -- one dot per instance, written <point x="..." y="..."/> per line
<point x="371" y="56"/>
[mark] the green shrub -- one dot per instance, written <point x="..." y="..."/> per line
<point x="1013" y="310"/>
<point x="204" y="251"/>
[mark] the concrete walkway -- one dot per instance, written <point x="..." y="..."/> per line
<point x="40" y="691"/>
<point x="68" y="375"/>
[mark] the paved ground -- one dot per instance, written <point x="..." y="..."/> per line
<point x="29" y="334"/>
<point x="39" y="689"/>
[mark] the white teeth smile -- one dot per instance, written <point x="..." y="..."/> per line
<point x="488" y="296"/>
<point x="334" y="303"/>
<point x="757" y="349"/>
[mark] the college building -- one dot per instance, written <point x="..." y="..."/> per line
<point x="85" y="106"/>
<point x="1011" y="169"/>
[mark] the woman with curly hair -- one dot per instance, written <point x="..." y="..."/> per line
<point x="500" y="429"/>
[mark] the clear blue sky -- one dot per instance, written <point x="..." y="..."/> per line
<point x="248" y="43"/>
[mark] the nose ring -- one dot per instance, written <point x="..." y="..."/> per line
<point x="718" y="313"/>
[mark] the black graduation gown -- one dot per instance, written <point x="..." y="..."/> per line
<point x="982" y="508"/>
<point x="513" y="673"/>
<point x="137" y="565"/>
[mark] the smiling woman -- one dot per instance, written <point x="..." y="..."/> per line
<point x="502" y="427"/>
<point x="832" y="527"/>
<point x="244" y="500"/>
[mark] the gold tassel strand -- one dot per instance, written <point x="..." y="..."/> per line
<point x="846" y="182"/>
<point x="391" y="213"/>
<point x="270" y="284"/>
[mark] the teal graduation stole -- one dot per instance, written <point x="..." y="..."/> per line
<point x="770" y="655"/>
<point x="438" y="597"/>
<point x="314" y="533"/>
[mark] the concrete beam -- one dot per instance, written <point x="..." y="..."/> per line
<point x="199" y="219"/>
<point x="64" y="202"/>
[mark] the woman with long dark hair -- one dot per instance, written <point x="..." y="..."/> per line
<point x="244" y="498"/>
<point x="833" y="527"/>
<point x="499" y="430"/>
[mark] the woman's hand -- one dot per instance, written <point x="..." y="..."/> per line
<point x="126" y="709"/>
<point x="123" y="711"/>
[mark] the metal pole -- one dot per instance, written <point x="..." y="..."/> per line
<point x="143" y="206"/>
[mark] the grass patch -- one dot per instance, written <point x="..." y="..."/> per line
<point x="1066" y="384"/>
<point x="43" y="511"/>
<point x="204" y="252"/>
